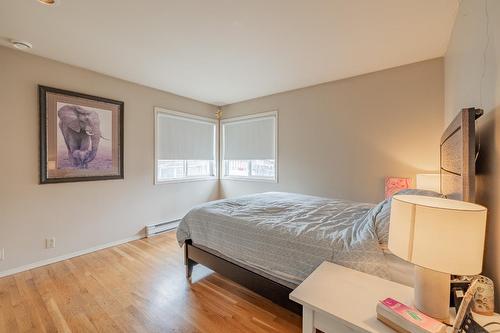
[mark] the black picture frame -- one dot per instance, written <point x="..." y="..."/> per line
<point x="43" y="92"/>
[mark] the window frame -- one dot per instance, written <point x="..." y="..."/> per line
<point x="272" y="113"/>
<point x="160" y="110"/>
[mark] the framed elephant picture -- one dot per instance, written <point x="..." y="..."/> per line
<point x="81" y="137"/>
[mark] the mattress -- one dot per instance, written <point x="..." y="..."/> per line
<point x="286" y="236"/>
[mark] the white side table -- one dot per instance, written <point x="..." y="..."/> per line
<point x="336" y="299"/>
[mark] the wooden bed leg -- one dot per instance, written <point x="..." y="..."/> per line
<point x="188" y="262"/>
<point x="189" y="269"/>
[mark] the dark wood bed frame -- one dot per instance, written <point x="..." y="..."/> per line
<point x="268" y="288"/>
<point x="457" y="150"/>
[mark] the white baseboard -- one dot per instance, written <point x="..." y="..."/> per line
<point x="67" y="256"/>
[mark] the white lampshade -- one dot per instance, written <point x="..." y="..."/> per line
<point x="429" y="181"/>
<point x="440" y="234"/>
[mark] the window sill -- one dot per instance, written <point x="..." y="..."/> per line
<point x="251" y="179"/>
<point x="184" y="180"/>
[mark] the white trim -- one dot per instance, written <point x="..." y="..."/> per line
<point x="186" y="180"/>
<point x="184" y="115"/>
<point x="251" y="179"/>
<point x="252" y="117"/>
<point x="67" y="256"/>
<point x="272" y="113"/>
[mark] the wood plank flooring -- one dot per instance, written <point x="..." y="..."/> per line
<point x="134" y="287"/>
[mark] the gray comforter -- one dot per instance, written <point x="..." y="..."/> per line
<point x="288" y="235"/>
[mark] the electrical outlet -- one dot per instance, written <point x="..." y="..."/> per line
<point x="2" y="254"/>
<point x="50" y="243"/>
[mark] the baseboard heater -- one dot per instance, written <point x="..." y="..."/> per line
<point x="155" y="229"/>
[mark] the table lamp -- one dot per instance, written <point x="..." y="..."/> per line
<point x="441" y="237"/>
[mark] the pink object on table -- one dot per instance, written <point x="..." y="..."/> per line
<point x="414" y="316"/>
<point x="395" y="184"/>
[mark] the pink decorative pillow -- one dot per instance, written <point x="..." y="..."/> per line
<point x="396" y="184"/>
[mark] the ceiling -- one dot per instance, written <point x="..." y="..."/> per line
<point x="225" y="51"/>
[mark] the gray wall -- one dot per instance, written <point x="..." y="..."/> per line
<point x="87" y="214"/>
<point x="341" y="139"/>
<point x="338" y="139"/>
<point x="472" y="78"/>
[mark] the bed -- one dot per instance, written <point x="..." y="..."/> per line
<point x="270" y="242"/>
<point x="458" y="152"/>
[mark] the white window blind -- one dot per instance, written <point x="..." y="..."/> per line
<point x="183" y="138"/>
<point x="250" y="139"/>
<point x="249" y="147"/>
<point x="185" y="147"/>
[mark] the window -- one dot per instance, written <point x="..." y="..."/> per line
<point x="185" y="147"/>
<point x="249" y="147"/>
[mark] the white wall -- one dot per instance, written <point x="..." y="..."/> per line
<point x="86" y="214"/>
<point x="472" y="78"/>
<point x="341" y="139"/>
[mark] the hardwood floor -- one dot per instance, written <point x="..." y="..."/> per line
<point x="134" y="287"/>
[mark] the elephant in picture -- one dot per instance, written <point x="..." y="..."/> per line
<point x="82" y="133"/>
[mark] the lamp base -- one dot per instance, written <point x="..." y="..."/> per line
<point x="432" y="293"/>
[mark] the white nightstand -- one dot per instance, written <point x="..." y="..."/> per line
<point x="336" y="299"/>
